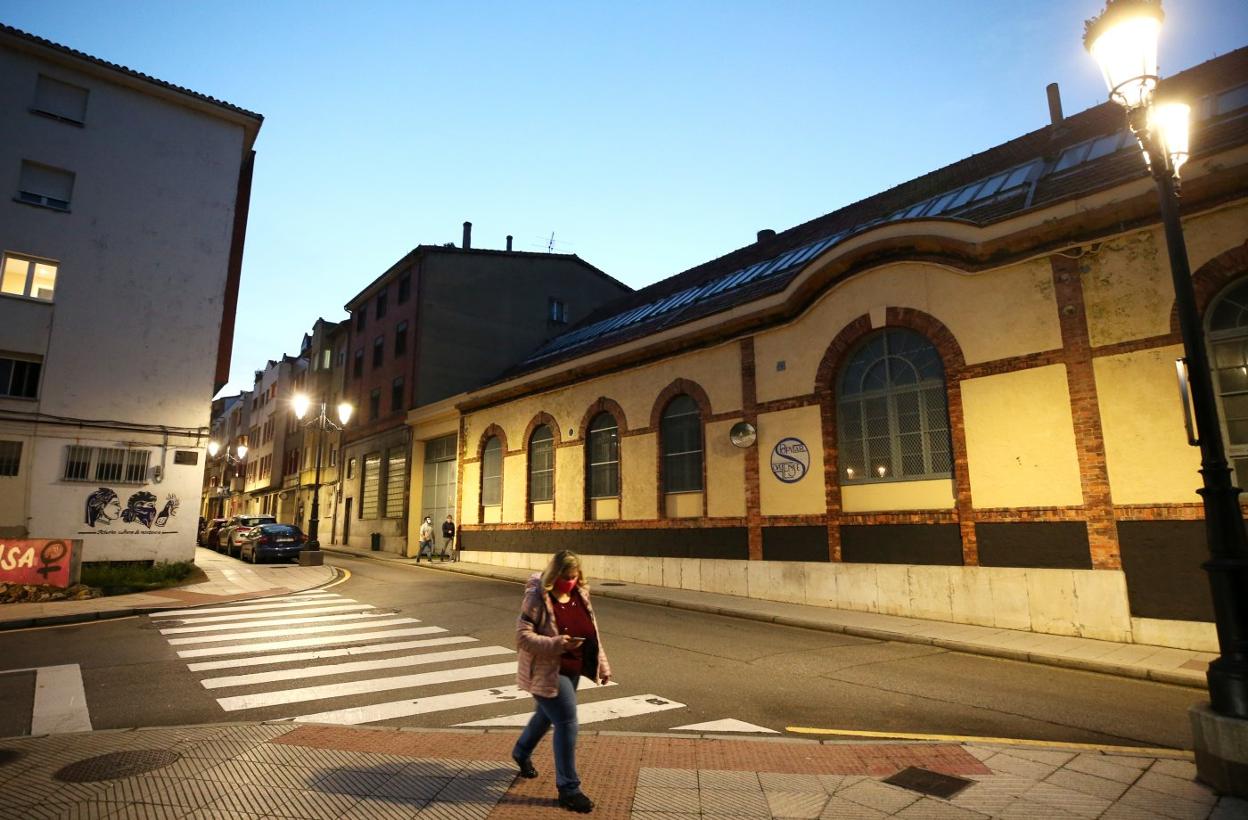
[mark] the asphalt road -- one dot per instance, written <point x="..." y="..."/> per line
<point x="673" y="668"/>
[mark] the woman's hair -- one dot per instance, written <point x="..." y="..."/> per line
<point x="96" y="502"/>
<point x="563" y="562"/>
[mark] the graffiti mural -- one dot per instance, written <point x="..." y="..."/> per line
<point x="51" y="562"/>
<point x="103" y="508"/>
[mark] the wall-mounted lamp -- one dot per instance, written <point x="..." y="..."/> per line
<point x="742" y="434"/>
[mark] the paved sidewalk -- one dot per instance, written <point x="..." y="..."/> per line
<point x="279" y="770"/>
<point x="1176" y="666"/>
<point x="228" y="580"/>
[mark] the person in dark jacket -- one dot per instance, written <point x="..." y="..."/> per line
<point x="557" y="640"/>
<point x="448" y="538"/>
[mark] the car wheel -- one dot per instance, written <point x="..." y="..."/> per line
<point x="253" y="557"/>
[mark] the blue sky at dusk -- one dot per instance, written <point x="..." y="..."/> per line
<point x="648" y="137"/>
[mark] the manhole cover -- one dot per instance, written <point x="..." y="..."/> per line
<point x="611" y="584"/>
<point x="9" y="756"/>
<point x="926" y="781"/>
<point x="115" y="764"/>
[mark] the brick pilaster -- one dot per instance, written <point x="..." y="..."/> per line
<point x="1086" y="413"/>
<point x="749" y="409"/>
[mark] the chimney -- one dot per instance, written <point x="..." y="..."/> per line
<point x="1055" y="103"/>
<point x="508" y="243"/>
<point x="765" y="234"/>
<point x="467" y="235"/>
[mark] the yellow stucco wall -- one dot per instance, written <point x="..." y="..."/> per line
<point x="898" y="495"/>
<point x="1146" y="449"/>
<point x="725" y="472"/>
<point x="639" y="466"/>
<point x="1209" y="235"/>
<point x="683" y="505"/>
<point x="993" y="314"/>
<point x="514" y="478"/>
<point x="470" y="494"/>
<point x="569" y="483"/>
<point x="1020" y="439"/>
<point x="544" y="512"/>
<point x="605" y="509"/>
<point x="803" y="497"/>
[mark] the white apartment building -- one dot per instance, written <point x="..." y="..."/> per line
<point x="122" y="222"/>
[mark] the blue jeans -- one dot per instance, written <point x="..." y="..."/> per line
<point x="561" y="712"/>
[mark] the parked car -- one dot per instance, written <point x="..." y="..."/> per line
<point x="206" y="528"/>
<point x="228" y="538"/>
<point x="266" y="541"/>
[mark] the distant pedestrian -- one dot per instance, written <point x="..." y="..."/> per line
<point x="558" y="642"/>
<point x="426" y="539"/>
<point x="448" y="538"/>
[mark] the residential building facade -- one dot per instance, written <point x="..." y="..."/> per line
<point x="224" y="472"/>
<point x="125" y="207"/>
<point x="274" y="439"/>
<point x="327" y="357"/>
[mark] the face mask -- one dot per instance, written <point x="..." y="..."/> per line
<point x="564" y="586"/>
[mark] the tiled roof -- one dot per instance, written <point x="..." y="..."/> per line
<point x="129" y="71"/>
<point x="1085" y="152"/>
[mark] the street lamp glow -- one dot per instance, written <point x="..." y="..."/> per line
<point x="242" y="451"/>
<point x="300" y="403"/>
<point x="344" y="412"/>
<point x="1123" y="41"/>
<point x="1170" y="124"/>
<point x="213" y="449"/>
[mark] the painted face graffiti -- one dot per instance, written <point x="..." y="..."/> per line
<point x="141" y="508"/>
<point x="103" y="507"/>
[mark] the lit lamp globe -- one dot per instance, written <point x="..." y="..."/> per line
<point x="344" y="412"/>
<point x="1170" y="122"/>
<point x="300" y="403"/>
<point x="242" y="451"/>
<point x="213" y="449"/>
<point x="1123" y="41"/>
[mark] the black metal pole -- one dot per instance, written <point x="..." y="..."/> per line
<point x="314" y="524"/>
<point x="1224" y="523"/>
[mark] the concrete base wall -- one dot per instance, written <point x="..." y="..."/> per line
<point x="1082" y="603"/>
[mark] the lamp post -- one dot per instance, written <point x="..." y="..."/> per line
<point x="214" y="448"/>
<point x="1123" y="39"/>
<point x="322" y="423"/>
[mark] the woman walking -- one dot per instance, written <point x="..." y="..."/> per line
<point x="558" y="642"/>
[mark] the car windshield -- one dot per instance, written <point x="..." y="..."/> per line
<point x="282" y="530"/>
<point x="251" y="522"/>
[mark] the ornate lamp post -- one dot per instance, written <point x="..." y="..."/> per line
<point x="214" y="449"/>
<point x="323" y="424"/>
<point x="1123" y="39"/>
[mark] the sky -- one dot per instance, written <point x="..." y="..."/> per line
<point x="646" y="137"/>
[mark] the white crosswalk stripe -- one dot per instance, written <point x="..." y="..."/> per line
<point x="293" y="639"/>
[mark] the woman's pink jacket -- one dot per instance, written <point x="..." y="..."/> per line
<point x="540" y="645"/>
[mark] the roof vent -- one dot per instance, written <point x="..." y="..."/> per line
<point x="1055" y="103"/>
<point x="509" y="243"/>
<point x="467" y="235"/>
<point x="765" y="234"/>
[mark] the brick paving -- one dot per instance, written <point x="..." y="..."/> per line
<point x="246" y="771"/>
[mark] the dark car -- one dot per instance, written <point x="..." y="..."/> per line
<point x="206" y="531"/>
<point x="267" y="541"/>
<point x="229" y="537"/>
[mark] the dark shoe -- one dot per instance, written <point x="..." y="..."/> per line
<point x="576" y="801"/>
<point x="526" y="766"/>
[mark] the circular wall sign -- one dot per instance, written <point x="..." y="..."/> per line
<point x="790" y="460"/>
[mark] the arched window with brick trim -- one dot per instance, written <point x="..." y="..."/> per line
<point x="492" y="473"/>
<point x="1227" y="337"/>
<point x="892" y="415"/>
<point x="541" y="465"/>
<point x="680" y="432"/>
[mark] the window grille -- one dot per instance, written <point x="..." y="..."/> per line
<point x="371" y="486"/>
<point x="681" y="432"/>
<point x="604" y="457"/>
<point x="1228" y="342"/>
<point x="492" y="473"/>
<point x="10" y="458"/>
<point x="892" y="418"/>
<point x="396" y="479"/>
<point x="136" y="466"/>
<point x="110" y="464"/>
<point x="541" y="465"/>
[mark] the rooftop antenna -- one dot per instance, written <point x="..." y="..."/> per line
<point x="550" y="245"/>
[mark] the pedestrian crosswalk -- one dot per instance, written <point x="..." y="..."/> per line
<point x="321" y="657"/>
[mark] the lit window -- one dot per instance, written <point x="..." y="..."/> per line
<point x="541" y="465"/>
<point x="396" y="472"/>
<point x="681" y="432"/>
<point x="492" y="473"/>
<point x="59" y="100"/>
<point x="46" y="186"/>
<point x="19" y="378"/>
<point x="24" y="276"/>
<point x="371" y="486"/>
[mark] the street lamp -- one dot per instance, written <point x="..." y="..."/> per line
<point x="1123" y="39"/>
<point x="214" y="449"/>
<point x="301" y="404"/>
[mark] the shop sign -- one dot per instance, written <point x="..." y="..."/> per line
<point x="51" y="562"/>
<point x="790" y="459"/>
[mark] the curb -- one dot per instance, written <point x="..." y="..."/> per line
<point x="114" y="614"/>
<point x="1193" y="680"/>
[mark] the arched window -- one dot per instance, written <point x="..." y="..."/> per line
<point x="604" y="457"/>
<point x="492" y="473"/>
<point x="1228" y="353"/>
<point x="541" y="465"/>
<point x="681" y="435"/>
<point x="892" y="419"/>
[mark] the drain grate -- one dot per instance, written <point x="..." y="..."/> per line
<point x="115" y="765"/>
<point x="926" y="781"/>
<point x="8" y="756"/>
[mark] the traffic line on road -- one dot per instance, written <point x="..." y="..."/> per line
<point x="321" y="654"/>
<point x="304" y="619"/>
<point x="299" y="643"/>
<point x="60" y="703"/>
<point x="316" y="610"/>
<point x="594" y="712"/>
<point x="258" y="700"/>
<point x="269" y="604"/>
<point x="274" y="633"/>
<point x="355" y="666"/>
